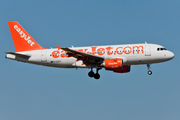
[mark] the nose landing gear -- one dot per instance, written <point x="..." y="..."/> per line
<point x="92" y="74"/>
<point x="149" y="71"/>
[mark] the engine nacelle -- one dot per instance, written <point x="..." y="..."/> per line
<point x="116" y="65"/>
<point x="111" y="64"/>
<point x="125" y="69"/>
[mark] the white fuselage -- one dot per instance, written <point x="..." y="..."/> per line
<point x="131" y="54"/>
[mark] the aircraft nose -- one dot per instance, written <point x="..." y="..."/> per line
<point x="170" y="55"/>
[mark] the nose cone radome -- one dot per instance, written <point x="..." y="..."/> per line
<point x="170" y="55"/>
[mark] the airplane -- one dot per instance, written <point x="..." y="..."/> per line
<point x="116" y="58"/>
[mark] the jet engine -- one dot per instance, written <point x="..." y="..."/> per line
<point x="116" y="65"/>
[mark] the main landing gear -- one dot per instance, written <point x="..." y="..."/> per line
<point x="149" y="71"/>
<point x="95" y="75"/>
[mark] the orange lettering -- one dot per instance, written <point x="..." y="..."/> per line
<point x="55" y="54"/>
<point x="108" y="50"/>
<point x="85" y="50"/>
<point x="64" y="54"/>
<point x="81" y="50"/>
<point x="129" y="51"/>
<point x="138" y="49"/>
<point x="93" y="50"/>
<point x="118" y="50"/>
<point x="100" y="51"/>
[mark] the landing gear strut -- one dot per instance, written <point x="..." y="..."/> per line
<point x="149" y="71"/>
<point x="92" y="74"/>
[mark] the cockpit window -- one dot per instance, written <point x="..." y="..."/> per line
<point x="160" y="49"/>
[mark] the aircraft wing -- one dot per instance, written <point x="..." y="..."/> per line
<point x="85" y="57"/>
<point x="80" y="54"/>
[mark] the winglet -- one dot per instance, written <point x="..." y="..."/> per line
<point x="58" y="47"/>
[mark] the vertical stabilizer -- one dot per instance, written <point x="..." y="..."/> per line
<point x="22" y="40"/>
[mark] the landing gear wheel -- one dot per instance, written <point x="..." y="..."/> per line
<point x="96" y="76"/>
<point x="149" y="72"/>
<point x="91" y="74"/>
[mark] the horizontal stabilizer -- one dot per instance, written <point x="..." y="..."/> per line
<point x="19" y="55"/>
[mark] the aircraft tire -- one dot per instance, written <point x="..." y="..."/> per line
<point x="96" y="76"/>
<point x="91" y="74"/>
<point x="150" y="72"/>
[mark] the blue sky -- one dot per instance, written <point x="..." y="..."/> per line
<point x="31" y="92"/>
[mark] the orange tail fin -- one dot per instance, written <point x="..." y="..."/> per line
<point x="22" y="40"/>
